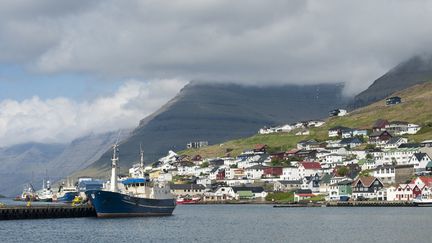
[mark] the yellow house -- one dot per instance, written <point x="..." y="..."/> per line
<point x="154" y="174"/>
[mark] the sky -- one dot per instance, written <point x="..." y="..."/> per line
<point x="72" y="67"/>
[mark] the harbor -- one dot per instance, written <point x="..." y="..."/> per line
<point x="46" y="211"/>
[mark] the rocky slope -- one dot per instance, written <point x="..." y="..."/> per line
<point x="219" y="112"/>
<point x="413" y="71"/>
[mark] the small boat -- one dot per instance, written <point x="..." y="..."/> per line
<point x="186" y="200"/>
<point x="45" y="194"/>
<point x="423" y="202"/>
<point x="138" y="197"/>
<point x="28" y="194"/>
<point x="66" y="193"/>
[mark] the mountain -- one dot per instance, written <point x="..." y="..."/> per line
<point x="23" y="163"/>
<point x="413" y="71"/>
<point x="19" y="163"/>
<point x="219" y="112"/>
<point x="415" y="109"/>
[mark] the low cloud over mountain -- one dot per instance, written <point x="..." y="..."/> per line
<point x="60" y="120"/>
<point x="253" y="42"/>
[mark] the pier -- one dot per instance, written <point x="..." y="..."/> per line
<point x="371" y="204"/>
<point x="46" y="211"/>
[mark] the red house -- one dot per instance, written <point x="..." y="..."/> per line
<point x="220" y="175"/>
<point x="277" y="156"/>
<point x="379" y="137"/>
<point x="273" y="171"/>
<point x="260" y="148"/>
<point x="380" y="125"/>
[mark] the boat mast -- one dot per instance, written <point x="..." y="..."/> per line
<point x="114" y="166"/>
<point x="141" y="161"/>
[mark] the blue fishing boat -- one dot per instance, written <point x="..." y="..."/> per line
<point x="133" y="196"/>
<point x="66" y="193"/>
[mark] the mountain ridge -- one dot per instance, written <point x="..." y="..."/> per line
<point x="413" y="71"/>
<point x="218" y="112"/>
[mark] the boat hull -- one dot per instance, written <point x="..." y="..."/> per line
<point x="113" y="204"/>
<point x="67" y="197"/>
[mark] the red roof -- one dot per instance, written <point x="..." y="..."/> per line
<point x="311" y="165"/>
<point x="425" y="179"/>
<point x="292" y="151"/>
<point x="260" y="146"/>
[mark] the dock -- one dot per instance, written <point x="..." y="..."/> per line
<point x="46" y="211"/>
<point x="371" y="204"/>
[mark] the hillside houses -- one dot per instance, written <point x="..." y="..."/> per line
<point x="374" y="163"/>
<point x="299" y="127"/>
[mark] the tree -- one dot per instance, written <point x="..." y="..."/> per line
<point x="370" y="146"/>
<point x="342" y="171"/>
<point x="204" y="165"/>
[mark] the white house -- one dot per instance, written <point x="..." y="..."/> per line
<point x="255" y="172"/>
<point x="309" y="169"/>
<point x="419" y="160"/>
<point x="359" y="154"/>
<point x="401" y="127"/>
<point x="334" y="189"/>
<point x="290" y="173"/>
<point x="333" y="158"/>
<point x="220" y="194"/>
<point x="413" y="128"/>
<point x="386" y="173"/>
<point x="315" y="123"/>
<point x="395" y="142"/>
<point x="400" y="156"/>
<point x="347" y="133"/>
<point x="407" y="192"/>
<point x="359" y="132"/>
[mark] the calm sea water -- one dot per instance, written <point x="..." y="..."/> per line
<point x="235" y="223"/>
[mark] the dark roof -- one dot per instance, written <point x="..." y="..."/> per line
<point x="420" y="156"/>
<point x="393" y="97"/>
<point x="394" y="140"/>
<point x="409" y="145"/>
<point x="398" y="123"/>
<point x="303" y="191"/>
<point x="344" y="182"/>
<point x="254" y="189"/>
<point x="326" y="178"/>
<point x="256" y="167"/>
<point x="350" y="140"/>
<point x="380" y="123"/>
<point x="186" y="186"/>
<point x="393" y="166"/>
<point x="378" y="133"/>
<point x="366" y="180"/>
<point x="341" y="128"/>
<point x="294" y="182"/>
<point x="214" y="169"/>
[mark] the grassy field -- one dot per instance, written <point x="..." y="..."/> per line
<point x="416" y="108"/>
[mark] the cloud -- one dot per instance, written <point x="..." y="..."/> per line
<point x="251" y="42"/>
<point x="60" y="120"/>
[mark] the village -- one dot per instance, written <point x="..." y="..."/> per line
<point x="376" y="163"/>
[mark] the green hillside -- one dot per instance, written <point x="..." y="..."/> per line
<point x="415" y="108"/>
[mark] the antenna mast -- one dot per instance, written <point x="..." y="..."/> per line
<point x="114" y="166"/>
<point x="141" y="161"/>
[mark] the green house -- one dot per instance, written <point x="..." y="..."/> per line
<point x="245" y="194"/>
<point x="345" y="188"/>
